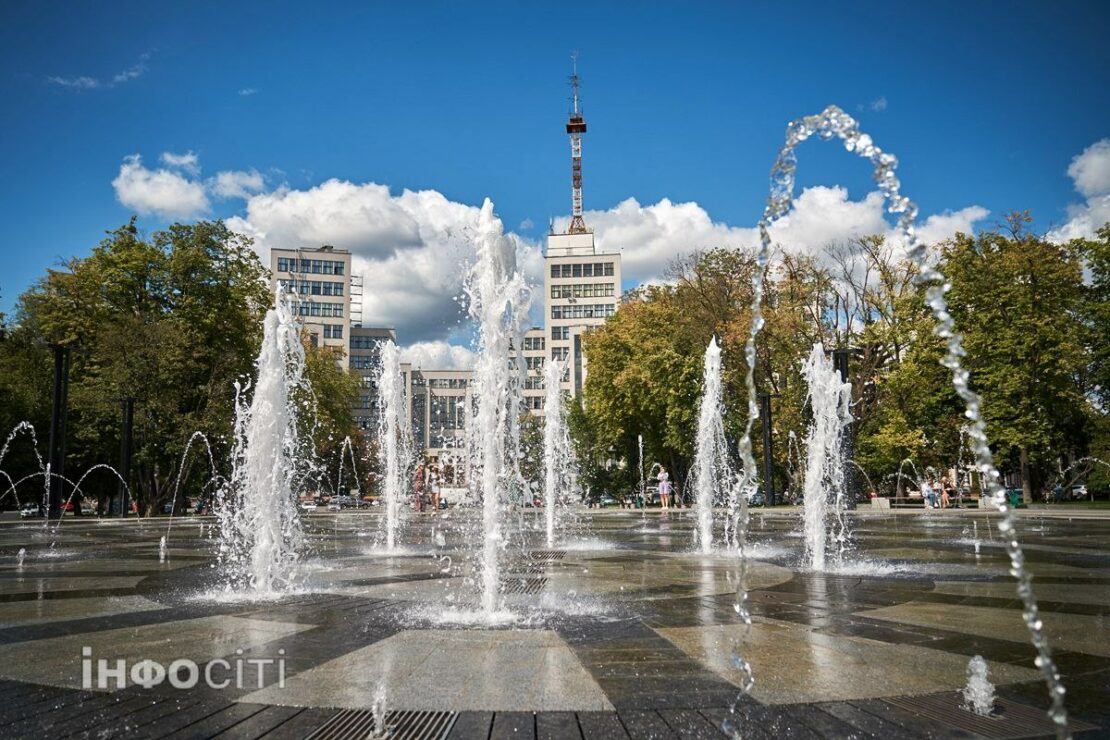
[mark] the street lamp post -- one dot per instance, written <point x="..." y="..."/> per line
<point x="55" y="489"/>
<point x="840" y="361"/>
<point x="765" y="415"/>
<point x="125" y="456"/>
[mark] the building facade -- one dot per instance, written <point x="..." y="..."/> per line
<point x="582" y="288"/>
<point x="365" y="360"/>
<point x="319" y="285"/>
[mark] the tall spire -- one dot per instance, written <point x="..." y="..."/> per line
<point x="576" y="126"/>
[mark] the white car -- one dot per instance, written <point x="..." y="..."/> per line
<point x="308" y="506"/>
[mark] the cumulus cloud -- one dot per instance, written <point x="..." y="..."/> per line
<point x="411" y="248"/>
<point x="247" y="91"/>
<point x="85" y="82"/>
<point x="650" y="237"/>
<point x="238" y="183"/>
<point x="160" y="192"/>
<point x="1090" y="171"/>
<point x="879" y="104"/>
<point x="438" y="355"/>
<point x="187" y="161"/>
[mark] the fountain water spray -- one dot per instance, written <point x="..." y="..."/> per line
<point x="260" y="528"/>
<point x="20" y="557"/>
<point x="829" y="399"/>
<point x="394" y="439"/>
<point x="162" y="549"/>
<point x="712" y="472"/>
<point x="494" y="288"/>
<point x="556" y="445"/>
<point x="979" y="692"/>
<point x="830" y="123"/>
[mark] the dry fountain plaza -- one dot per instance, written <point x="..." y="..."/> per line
<point x="619" y="631"/>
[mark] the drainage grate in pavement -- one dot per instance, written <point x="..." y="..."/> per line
<point x="547" y="554"/>
<point x="358" y="724"/>
<point x="1010" y="720"/>
<point x="523" y="585"/>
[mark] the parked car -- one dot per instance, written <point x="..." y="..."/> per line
<point x="1079" y="493"/>
<point x="308" y="506"/>
<point x="606" y="500"/>
<point x="31" y="509"/>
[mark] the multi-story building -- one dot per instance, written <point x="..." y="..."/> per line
<point x="581" y="290"/>
<point x="441" y="405"/>
<point x="533" y="355"/>
<point x="364" y="360"/>
<point x="319" y="283"/>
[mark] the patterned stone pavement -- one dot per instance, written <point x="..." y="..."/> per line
<point x="619" y="632"/>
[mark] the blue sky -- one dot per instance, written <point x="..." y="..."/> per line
<point x="986" y="104"/>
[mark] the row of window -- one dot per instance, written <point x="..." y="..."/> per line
<point x="587" y="290"/>
<point x="311" y="308"/>
<point x="579" y="311"/>
<point x="316" y="267"/>
<point x="533" y="343"/>
<point x="362" y="362"/>
<point x="312" y="287"/>
<point x="589" y="269"/>
<point x="447" y="382"/>
<point x="364" y="342"/>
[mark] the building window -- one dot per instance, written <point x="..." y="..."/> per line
<point x="338" y="268"/>
<point x="534" y="344"/>
<point x="333" y="332"/>
<point x="555" y="272"/>
<point x="560" y="333"/>
<point x="283" y="264"/>
<point x="306" y="266"/>
<point x="559" y="353"/>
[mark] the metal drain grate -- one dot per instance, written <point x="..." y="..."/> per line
<point x="523" y="585"/>
<point x="1011" y="720"/>
<point x="547" y="554"/>
<point x="358" y="724"/>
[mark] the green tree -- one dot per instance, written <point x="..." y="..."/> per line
<point x="172" y="322"/>
<point x="1019" y="300"/>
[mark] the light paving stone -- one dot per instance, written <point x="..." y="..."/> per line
<point x="487" y="670"/>
<point x="792" y="663"/>
<point x="57" y="661"/>
<point x="1076" y="632"/>
<point x="40" y="611"/>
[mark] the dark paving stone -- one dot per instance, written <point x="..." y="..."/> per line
<point x="508" y="725"/>
<point x="557" y="726"/>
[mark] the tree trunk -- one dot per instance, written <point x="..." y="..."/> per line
<point x="1026" y="478"/>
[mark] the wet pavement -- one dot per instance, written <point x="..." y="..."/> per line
<point x="616" y="631"/>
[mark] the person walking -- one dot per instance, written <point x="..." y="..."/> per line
<point x="433" y="487"/>
<point x="664" y="488"/>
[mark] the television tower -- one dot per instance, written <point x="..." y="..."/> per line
<point x="576" y="126"/>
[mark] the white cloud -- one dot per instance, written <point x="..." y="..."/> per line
<point x="879" y="104"/>
<point x="187" y="161"/>
<point x="160" y="192"/>
<point x="411" y="248"/>
<point x="133" y="72"/>
<point x="1090" y="171"/>
<point x="85" y="82"/>
<point x="438" y="355"/>
<point x="526" y="224"/>
<point x="77" y="83"/>
<point x="941" y="226"/>
<point x="650" y="237"/>
<point x="247" y="91"/>
<point x="238" y="183"/>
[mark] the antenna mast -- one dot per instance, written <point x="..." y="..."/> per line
<point x="576" y="126"/>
